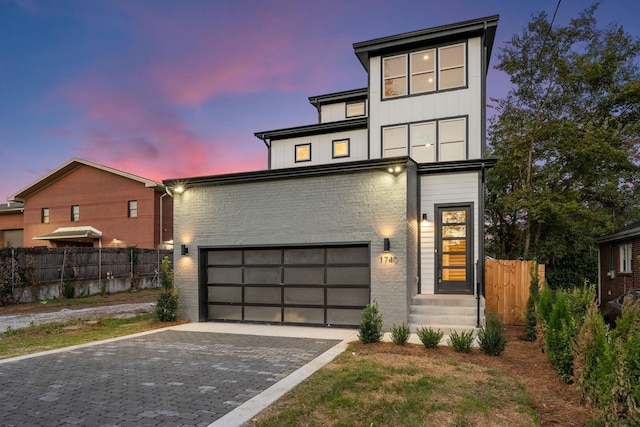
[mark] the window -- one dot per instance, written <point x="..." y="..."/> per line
<point x="448" y="61"/>
<point x="75" y="213"/>
<point x="303" y="153"/>
<point x="355" y="109"/>
<point x="133" y="209"/>
<point x="626" y="258"/>
<point x="44" y="216"/>
<point x="395" y="76"/>
<point x="436" y="141"/>
<point x="451" y="66"/>
<point x="340" y="148"/>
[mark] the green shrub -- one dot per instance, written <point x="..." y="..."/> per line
<point x="530" y="316"/>
<point x="461" y="342"/>
<point x="370" y="330"/>
<point x="400" y="334"/>
<point x="167" y="305"/>
<point x="592" y="364"/>
<point x="429" y="337"/>
<point x="491" y="335"/>
<point x="69" y="291"/>
<point x="545" y="303"/>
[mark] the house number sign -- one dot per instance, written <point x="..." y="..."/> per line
<point x="386" y="259"/>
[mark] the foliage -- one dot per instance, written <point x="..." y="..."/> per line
<point x="565" y="322"/>
<point x="608" y="370"/>
<point x="370" y="330"/>
<point x="400" y="334"/>
<point x="592" y="362"/>
<point x="429" y="337"/>
<point x="530" y="317"/>
<point x="68" y="290"/>
<point x="167" y="305"/>
<point x="491" y="335"/>
<point x="545" y="303"/>
<point x="461" y="342"/>
<point x="566" y="137"/>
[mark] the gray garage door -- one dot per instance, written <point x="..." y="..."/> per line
<point x="328" y="285"/>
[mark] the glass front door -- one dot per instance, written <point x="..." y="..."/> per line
<point x="454" y="246"/>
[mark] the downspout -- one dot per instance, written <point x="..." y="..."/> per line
<point x="483" y="136"/>
<point x="161" y="235"/>
<point x="267" y="143"/>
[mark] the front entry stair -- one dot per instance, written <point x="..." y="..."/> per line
<point x="445" y="312"/>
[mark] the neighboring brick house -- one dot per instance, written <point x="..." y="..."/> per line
<point x="11" y="218"/>
<point x="87" y="204"/>
<point x="383" y="199"/>
<point x="618" y="264"/>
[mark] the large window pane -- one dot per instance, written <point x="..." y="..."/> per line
<point x="422" y="71"/>
<point x="394" y="141"/>
<point x="423" y="142"/>
<point x="453" y="139"/>
<point x="395" y="76"/>
<point x="452" y="67"/>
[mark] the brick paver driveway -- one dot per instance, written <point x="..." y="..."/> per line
<point x="168" y="378"/>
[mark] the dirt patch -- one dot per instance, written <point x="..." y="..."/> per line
<point x="555" y="402"/>
<point x="140" y="296"/>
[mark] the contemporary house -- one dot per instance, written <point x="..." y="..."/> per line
<point x="381" y="200"/>
<point x="618" y="264"/>
<point x="86" y="204"/>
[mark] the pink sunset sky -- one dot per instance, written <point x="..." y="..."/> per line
<point x="168" y="89"/>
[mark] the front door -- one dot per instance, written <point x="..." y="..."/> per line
<point x="454" y="243"/>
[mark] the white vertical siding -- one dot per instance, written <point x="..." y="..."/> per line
<point x="283" y="150"/>
<point x="333" y="112"/>
<point x="441" y="189"/>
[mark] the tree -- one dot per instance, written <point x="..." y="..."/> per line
<point x="567" y="141"/>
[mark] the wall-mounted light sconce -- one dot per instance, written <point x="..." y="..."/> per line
<point x="179" y="189"/>
<point x="424" y="218"/>
<point x="394" y="169"/>
<point x="387" y="244"/>
<point x="184" y="250"/>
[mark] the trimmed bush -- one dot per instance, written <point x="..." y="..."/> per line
<point x="461" y="342"/>
<point x="167" y="305"/>
<point x="400" y="334"/>
<point x="530" y="316"/>
<point x="69" y="291"/>
<point x="370" y="330"/>
<point x="491" y="335"/>
<point x="429" y="337"/>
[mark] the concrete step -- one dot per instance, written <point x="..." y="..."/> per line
<point x="443" y="310"/>
<point x="453" y="319"/>
<point x="446" y="300"/>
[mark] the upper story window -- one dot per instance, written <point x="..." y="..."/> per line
<point x="626" y="258"/>
<point x="426" y="142"/>
<point x="340" y="148"/>
<point x="133" y="209"/>
<point x="355" y="109"/>
<point x="429" y="70"/>
<point x="303" y="153"/>
<point x="44" y="216"/>
<point x="75" y="213"/>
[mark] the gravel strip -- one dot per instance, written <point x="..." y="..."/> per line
<point x="120" y="311"/>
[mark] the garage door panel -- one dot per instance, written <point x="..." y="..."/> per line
<point x="262" y="314"/>
<point x="230" y="294"/>
<point x="262" y="256"/>
<point x="226" y="275"/>
<point x="262" y="295"/>
<point x="304" y="315"/>
<point x="350" y="296"/>
<point x="225" y="312"/>
<point x="304" y="256"/>
<point x="304" y="296"/>
<point x="304" y="276"/>
<point x="343" y="316"/>
<point x="262" y="275"/>
<point x="230" y="257"/>
<point x="347" y="275"/>
<point x="348" y="255"/>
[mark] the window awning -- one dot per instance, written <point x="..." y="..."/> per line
<point x="72" y="234"/>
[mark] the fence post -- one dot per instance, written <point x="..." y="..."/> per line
<point x="100" y="266"/>
<point x="13" y="269"/>
<point x="64" y="260"/>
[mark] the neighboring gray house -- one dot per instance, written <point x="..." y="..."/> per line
<point x="381" y="200"/>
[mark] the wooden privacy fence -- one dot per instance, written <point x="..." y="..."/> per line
<point x="507" y="288"/>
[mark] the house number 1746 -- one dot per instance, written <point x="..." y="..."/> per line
<point x="388" y="259"/>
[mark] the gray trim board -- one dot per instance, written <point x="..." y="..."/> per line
<point x="315" y="129"/>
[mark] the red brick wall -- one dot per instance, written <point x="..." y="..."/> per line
<point x="622" y="282"/>
<point x="103" y="199"/>
<point x="9" y="221"/>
